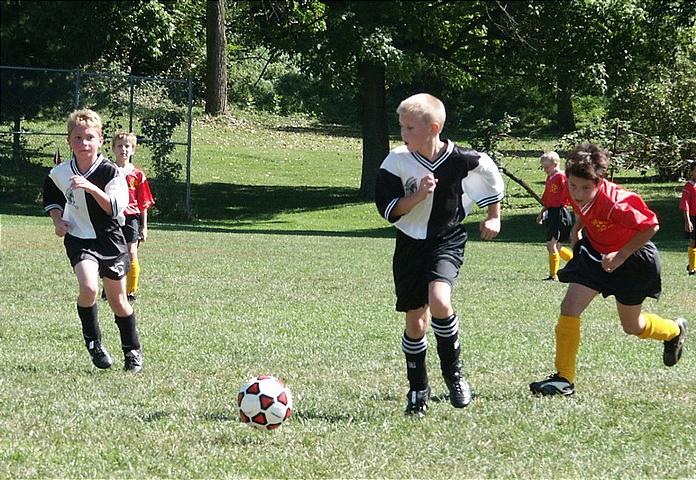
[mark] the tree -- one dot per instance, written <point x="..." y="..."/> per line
<point x="216" y="48"/>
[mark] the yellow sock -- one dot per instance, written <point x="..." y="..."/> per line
<point x="132" y="278"/>
<point x="566" y="254"/>
<point x="659" y="328"/>
<point x="554" y="263"/>
<point x="567" y="344"/>
<point x="692" y="259"/>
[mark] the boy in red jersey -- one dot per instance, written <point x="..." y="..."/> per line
<point x="688" y="205"/>
<point x="554" y="200"/>
<point x="139" y="200"/>
<point x="614" y="257"/>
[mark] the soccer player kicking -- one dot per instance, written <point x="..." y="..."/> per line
<point x="614" y="257"/>
<point x="426" y="188"/>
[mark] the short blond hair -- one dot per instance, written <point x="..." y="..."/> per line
<point x="122" y="134"/>
<point x="84" y="116"/>
<point x="552" y="157"/>
<point x="426" y="107"/>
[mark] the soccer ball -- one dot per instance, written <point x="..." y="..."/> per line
<point x="264" y="402"/>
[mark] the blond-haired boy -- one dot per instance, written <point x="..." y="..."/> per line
<point x="425" y="188"/>
<point x="85" y="198"/>
<point x="140" y="198"/>
<point x="554" y="200"/>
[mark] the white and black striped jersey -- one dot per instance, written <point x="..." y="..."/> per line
<point x="87" y="218"/>
<point x="464" y="177"/>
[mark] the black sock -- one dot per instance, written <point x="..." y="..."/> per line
<point x="129" y="335"/>
<point x="90" y="324"/>
<point x="415" y="361"/>
<point x="448" y="348"/>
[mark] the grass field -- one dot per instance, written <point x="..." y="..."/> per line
<point x="287" y="272"/>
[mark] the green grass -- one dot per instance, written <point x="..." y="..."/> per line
<point x="287" y="272"/>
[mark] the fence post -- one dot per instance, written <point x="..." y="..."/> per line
<point x="188" y="148"/>
<point x="130" y="104"/>
<point x="77" y="88"/>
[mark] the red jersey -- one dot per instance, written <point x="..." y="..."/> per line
<point x="139" y="195"/>
<point x="688" y="198"/>
<point x="613" y="217"/>
<point x="555" y="192"/>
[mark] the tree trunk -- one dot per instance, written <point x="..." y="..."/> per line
<point x="375" y="133"/>
<point x="216" y="50"/>
<point x="564" y="106"/>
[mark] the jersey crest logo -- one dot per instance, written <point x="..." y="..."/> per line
<point x="600" y="225"/>
<point x="411" y="186"/>
<point x="70" y="198"/>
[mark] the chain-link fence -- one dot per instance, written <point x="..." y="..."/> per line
<point x="37" y="101"/>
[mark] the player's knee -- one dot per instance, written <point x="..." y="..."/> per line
<point x="88" y="292"/>
<point x="631" y="328"/>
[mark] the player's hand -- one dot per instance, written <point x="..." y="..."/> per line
<point x="427" y="185"/>
<point x="612" y="261"/>
<point x="78" y="181"/>
<point x="688" y="226"/>
<point x="143" y="235"/>
<point x="62" y="227"/>
<point x="489" y="228"/>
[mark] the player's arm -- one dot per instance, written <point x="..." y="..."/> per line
<point x="102" y="199"/>
<point x="490" y="227"/>
<point x="54" y="204"/>
<point x="425" y="187"/>
<point x="143" y="228"/>
<point x="612" y="261"/>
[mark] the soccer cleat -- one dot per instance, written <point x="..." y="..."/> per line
<point x="131" y="297"/>
<point x="133" y="361"/>
<point x="417" y="402"/>
<point x="553" y="385"/>
<point x="100" y="357"/>
<point x="551" y="278"/>
<point x="690" y="272"/>
<point x="459" y="391"/>
<point x="674" y="347"/>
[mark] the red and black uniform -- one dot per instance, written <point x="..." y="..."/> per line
<point x="555" y="199"/>
<point x="609" y="222"/>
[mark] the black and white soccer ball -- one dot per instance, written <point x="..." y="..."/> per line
<point x="264" y="402"/>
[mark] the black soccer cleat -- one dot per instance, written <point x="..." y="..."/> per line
<point x="689" y="271"/>
<point x="417" y="402"/>
<point x="131" y="297"/>
<point x="674" y="347"/>
<point x="100" y="357"/>
<point x="459" y="391"/>
<point x="553" y="385"/>
<point x="551" y="278"/>
<point x="133" y="361"/>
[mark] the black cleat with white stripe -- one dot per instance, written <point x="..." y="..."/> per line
<point x="553" y="385"/>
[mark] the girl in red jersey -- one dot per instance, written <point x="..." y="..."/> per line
<point x="614" y="257"/>
<point x="688" y="205"/>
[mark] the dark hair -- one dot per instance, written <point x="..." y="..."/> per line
<point x="588" y="161"/>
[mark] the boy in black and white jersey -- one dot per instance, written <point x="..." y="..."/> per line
<point x="85" y="198"/>
<point x="426" y="188"/>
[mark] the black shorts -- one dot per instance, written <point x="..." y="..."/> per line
<point x="553" y="223"/>
<point x="131" y="230"/>
<point x="416" y="263"/>
<point x="109" y="252"/>
<point x="638" y="277"/>
<point x="692" y="233"/>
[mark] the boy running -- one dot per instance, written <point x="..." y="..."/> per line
<point x="425" y="188"/>
<point x="85" y="197"/>
<point x="614" y="257"/>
